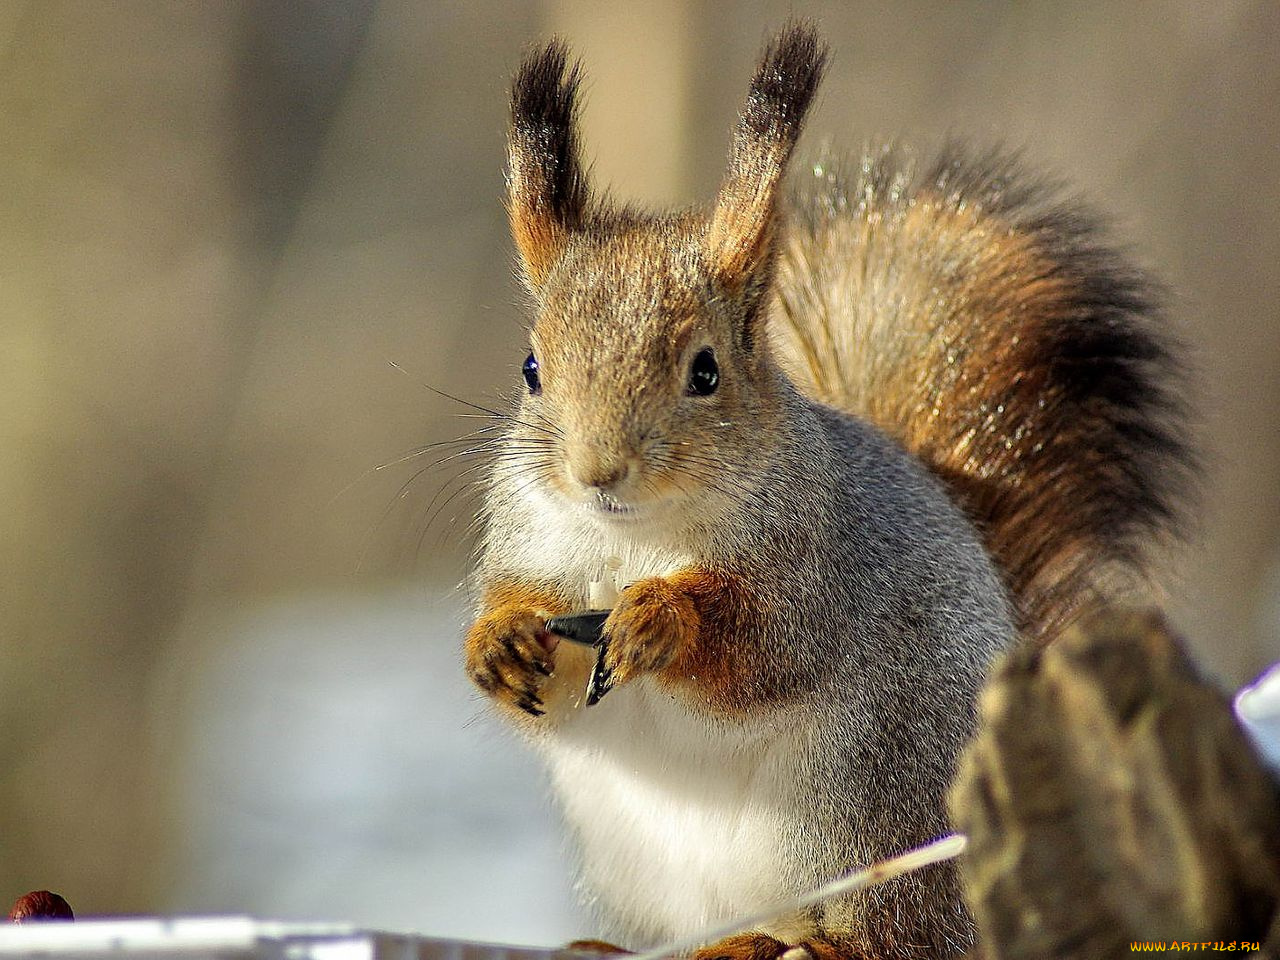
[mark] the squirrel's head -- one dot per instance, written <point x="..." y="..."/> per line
<point x="648" y="372"/>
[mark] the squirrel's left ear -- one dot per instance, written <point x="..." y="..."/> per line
<point x="740" y="234"/>
<point x="546" y="185"/>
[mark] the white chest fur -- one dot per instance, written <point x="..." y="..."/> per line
<point x="680" y="819"/>
<point x="562" y="544"/>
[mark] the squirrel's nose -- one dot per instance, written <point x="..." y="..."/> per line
<point x="599" y="473"/>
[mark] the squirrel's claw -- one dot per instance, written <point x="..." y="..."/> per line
<point x="652" y="623"/>
<point x="508" y="659"/>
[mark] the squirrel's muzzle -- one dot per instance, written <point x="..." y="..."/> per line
<point x="600" y="470"/>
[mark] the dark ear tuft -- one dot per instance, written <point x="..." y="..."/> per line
<point x="783" y="87"/>
<point x="741" y="229"/>
<point x="546" y="185"/>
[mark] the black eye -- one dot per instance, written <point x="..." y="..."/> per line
<point x="704" y="374"/>
<point x="531" y="374"/>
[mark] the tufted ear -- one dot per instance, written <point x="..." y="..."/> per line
<point x="740" y="234"/>
<point x="546" y="185"/>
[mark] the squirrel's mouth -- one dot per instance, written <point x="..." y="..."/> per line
<point x="610" y="507"/>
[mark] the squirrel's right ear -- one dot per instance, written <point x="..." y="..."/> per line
<point x="546" y="185"/>
<point x="740" y="235"/>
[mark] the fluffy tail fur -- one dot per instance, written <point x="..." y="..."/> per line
<point x="983" y="322"/>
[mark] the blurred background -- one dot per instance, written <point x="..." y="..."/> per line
<point x="228" y="604"/>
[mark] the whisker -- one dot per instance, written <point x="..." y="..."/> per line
<point x="367" y="545"/>
<point x="412" y="455"/>
<point x="528" y="459"/>
<point x="706" y="471"/>
<point x="442" y="498"/>
<point x="426" y="527"/>
<point x="525" y="486"/>
<point x="494" y="414"/>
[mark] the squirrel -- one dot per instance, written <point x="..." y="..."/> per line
<point x="848" y="440"/>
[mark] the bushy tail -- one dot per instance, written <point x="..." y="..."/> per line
<point x="982" y="321"/>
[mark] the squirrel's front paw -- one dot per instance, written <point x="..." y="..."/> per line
<point x="653" y="621"/>
<point x="509" y="655"/>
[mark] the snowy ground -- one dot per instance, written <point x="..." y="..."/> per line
<point x="329" y="761"/>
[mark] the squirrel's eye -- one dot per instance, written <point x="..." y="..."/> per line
<point x="704" y="374"/>
<point x="531" y="374"/>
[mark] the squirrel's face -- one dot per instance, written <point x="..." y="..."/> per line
<point x="646" y="370"/>
<point x="639" y="390"/>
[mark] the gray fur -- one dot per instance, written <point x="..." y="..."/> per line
<point x="883" y="614"/>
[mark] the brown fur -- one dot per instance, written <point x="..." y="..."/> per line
<point x="713" y="666"/>
<point x="1072" y="466"/>
<point x="821" y="948"/>
<point x="745" y="946"/>
<point x="508" y="648"/>
<point x="684" y="628"/>
<point x="599" y="947"/>
<point x="740" y="234"/>
<point x="652" y="626"/>
<point x="546" y="185"/>
<point x="761" y="946"/>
